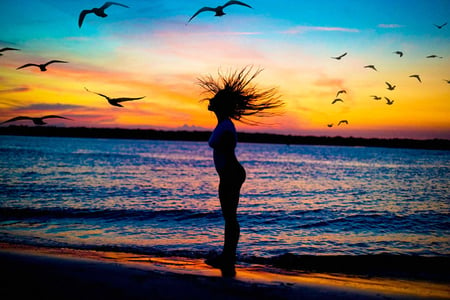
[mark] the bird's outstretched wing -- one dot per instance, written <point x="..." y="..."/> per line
<point x="17" y="119"/>
<point x="235" y="2"/>
<point x="106" y="97"/>
<point x="127" y="99"/>
<point x="27" y="65"/>
<point x="8" y="48"/>
<point x="206" y="8"/>
<point x="109" y="3"/>
<point x="342" y="122"/>
<point x="54" y="116"/>
<point x="55" y="61"/>
<point x="83" y="14"/>
<point x="389" y="85"/>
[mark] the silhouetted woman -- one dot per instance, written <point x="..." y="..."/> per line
<point x="233" y="97"/>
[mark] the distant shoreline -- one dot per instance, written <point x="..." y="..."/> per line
<point x="182" y="135"/>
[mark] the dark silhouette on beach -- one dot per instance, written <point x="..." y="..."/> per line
<point x="36" y="120"/>
<point x="233" y="97"/>
<point x="98" y="11"/>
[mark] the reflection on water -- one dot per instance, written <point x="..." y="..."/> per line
<point x="161" y="194"/>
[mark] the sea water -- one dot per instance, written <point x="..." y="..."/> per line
<point x="151" y="196"/>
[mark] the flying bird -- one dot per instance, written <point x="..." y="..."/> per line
<point x="219" y="9"/>
<point x="340" y="56"/>
<point x="416" y="76"/>
<point x="440" y="26"/>
<point x="389" y="101"/>
<point x="371" y="67"/>
<point x="42" y="67"/>
<point x="98" y="11"/>
<point x="115" y="101"/>
<point x="343" y="122"/>
<point x="400" y="53"/>
<point x="390" y="86"/>
<point x="375" y="97"/>
<point x="448" y="81"/>
<point x="341" y="92"/>
<point x="330" y="125"/>
<point x="36" y="121"/>
<point x="434" y="56"/>
<point x="337" y="100"/>
<point x="7" y="49"/>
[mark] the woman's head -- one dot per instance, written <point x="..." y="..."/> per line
<point x="233" y="96"/>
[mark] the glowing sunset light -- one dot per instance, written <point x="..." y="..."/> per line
<point x="149" y="50"/>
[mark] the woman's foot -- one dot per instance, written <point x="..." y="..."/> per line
<point x="225" y="265"/>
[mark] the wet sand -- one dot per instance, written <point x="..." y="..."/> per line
<point x="55" y="273"/>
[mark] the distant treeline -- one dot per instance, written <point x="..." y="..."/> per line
<point x="150" y="134"/>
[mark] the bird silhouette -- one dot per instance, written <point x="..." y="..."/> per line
<point x="7" y="49"/>
<point x="440" y="26"/>
<point x="115" y="101"/>
<point x="340" y="56"/>
<point x="375" y="97"/>
<point x="446" y="80"/>
<point x="337" y="100"/>
<point x="219" y="9"/>
<point x="400" y="53"/>
<point x="434" y="56"/>
<point x="42" y="67"/>
<point x="416" y="76"/>
<point x="371" y="67"/>
<point x="343" y="122"/>
<point x="98" y="11"/>
<point x="36" y="121"/>
<point x="341" y="92"/>
<point x="389" y="101"/>
<point x="390" y="86"/>
<point x="330" y="125"/>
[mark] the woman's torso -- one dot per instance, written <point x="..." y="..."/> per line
<point x="223" y="140"/>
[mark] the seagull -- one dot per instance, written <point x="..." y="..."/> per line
<point x="375" y="97"/>
<point x="340" y="56"/>
<point x="219" y="9"/>
<point x="36" y="121"/>
<point x="440" y="26"/>
<point x="43" y="67"/>
<point x="100" y="11"/>
<point x="371" y="67"/>
<point x="337" y="100"/>
<point x="115" y="101"/>
<point x="400" y="53"/>
<point x="389" y="101"/>
<point x="330" y="125"/>
<point x="7" y="49"/>
<point x="434" y="56"/>
<point x="416" y="76"/>
<point x="343" y="122"/>
<point x="341" y="92"/>
<point x="390" y="86"/>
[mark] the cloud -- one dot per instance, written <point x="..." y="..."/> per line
<point x="15" y="90"/>
<point x="303" y="29"/>
<point x="48" y="107"/>
<point x="389" y="26"/>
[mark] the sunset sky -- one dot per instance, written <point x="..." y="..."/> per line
<point x="149" y="50"/>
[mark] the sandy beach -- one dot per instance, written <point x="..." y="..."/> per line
<point x="55" y="273"/>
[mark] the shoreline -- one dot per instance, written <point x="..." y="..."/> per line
<point x="118" y="275"/>
<point x="203" y="136"/>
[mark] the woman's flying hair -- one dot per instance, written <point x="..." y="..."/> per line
<point x="242" y="98"/>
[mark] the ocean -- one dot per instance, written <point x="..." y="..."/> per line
<point x="160" y="197"/>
